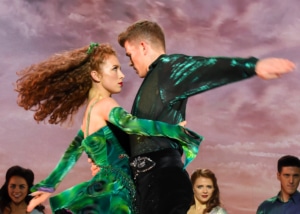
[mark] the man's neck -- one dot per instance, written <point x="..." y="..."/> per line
<point x="154" y="53"/>
<point x="285" y="197"/>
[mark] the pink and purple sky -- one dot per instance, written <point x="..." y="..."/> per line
<point x="247" y="125"/>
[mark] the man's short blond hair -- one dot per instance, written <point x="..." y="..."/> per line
<point x="143" y="29"/>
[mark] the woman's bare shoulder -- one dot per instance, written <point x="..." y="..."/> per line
<point x="107" y="101"/>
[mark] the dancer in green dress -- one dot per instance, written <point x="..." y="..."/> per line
<point x="55" y="89"/>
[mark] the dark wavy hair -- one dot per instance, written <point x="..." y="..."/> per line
<point x="28" y="175"/>
<point x="55" y="88"/>
<point x="215" y="198"/>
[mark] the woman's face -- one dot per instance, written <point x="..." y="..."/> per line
<point x="203" y="189"/>
<point x="17" y="189"/>
<point x="111" y="75"/>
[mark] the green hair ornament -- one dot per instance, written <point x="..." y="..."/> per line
<point x="91" y="47"/>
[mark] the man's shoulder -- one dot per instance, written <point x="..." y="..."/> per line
<point x="270" y="200"/>
<point x="267" y="203"/>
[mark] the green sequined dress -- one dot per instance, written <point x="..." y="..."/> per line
<point x="112" y="189"/>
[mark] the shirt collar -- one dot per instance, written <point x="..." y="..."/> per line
<point x="294" y="198"/>
<point x="155" y="62"/>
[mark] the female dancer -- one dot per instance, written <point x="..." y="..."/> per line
<point x="55" y="89"/>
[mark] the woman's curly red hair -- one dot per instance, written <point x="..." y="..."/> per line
<point x="55" y="88"/>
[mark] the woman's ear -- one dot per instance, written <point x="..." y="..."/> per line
<point x="95" y="76"/>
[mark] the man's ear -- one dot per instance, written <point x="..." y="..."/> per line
<point x="144" y="46"/>
<point x="95" y="76"/>
<point x="278" y="176"/>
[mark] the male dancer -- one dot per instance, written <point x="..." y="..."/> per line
<point x="163" y="185"/>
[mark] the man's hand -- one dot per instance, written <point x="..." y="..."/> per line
<point x="271" y="68"/>
<point x="38" y="198"/>
<point x="94" y="168"/>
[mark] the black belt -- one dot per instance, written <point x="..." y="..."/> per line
<point x="155" y="160"/>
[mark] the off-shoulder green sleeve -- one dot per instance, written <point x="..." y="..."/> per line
<point x="66" y="163"/>
<point x="130" y="124"/>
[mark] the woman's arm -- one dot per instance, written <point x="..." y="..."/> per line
<point x="113" y="113"/>
<point x="43" y="190"/>
<point x="66" y="163"/>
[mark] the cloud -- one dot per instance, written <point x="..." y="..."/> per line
<point x="246" y="125"/>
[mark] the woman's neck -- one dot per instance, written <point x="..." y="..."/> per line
<point x="93" y="94"/>
<point x="19" y="208"/>
<point x="199" y="206"/>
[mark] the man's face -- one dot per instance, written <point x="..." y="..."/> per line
<point x="289" y="178"/>
<point x="136" y="53"/>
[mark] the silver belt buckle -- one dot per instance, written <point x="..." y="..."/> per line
<point x="142" y="164"/>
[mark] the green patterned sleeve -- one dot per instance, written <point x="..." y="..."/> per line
<point x="191" y="75"/>
<point x="130" y="124"/>
<point x="66" y="163"/>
